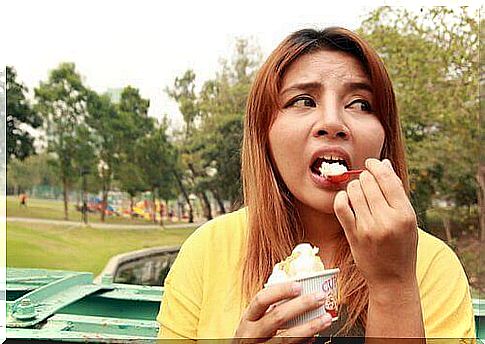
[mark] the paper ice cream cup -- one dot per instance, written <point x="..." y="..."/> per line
<point x="326" y="282"/>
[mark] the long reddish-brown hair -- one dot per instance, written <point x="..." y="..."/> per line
<point x="274" y="226"/>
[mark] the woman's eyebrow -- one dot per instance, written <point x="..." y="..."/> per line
<point x="358" y="86"/>
<point x="316" y="86"/>
<point x="304" y="86"/>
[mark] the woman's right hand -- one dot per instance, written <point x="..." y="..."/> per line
<point x="262" y="320"/>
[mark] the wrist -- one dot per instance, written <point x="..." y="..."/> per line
<point x="394" y="292"/>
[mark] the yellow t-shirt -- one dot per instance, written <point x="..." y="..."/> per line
<point x="202" y="297"/>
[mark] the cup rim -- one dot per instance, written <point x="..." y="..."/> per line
<point x="323" y="273"/>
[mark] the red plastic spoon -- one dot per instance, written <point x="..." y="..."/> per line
<point x="340" y="178"/>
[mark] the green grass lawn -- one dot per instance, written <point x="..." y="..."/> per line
<point x="54" y="210"/>
<point x="79" y="248"/>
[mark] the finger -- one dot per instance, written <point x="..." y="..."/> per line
<point x="344" y="214"/>
<point x="375" y="199"/>
<point x="388" y="182"/>
<point x="359" y="204"/>
<point x="301" y="333"/>
<point x="281" y="314"/>
<point x="268" y="296"/>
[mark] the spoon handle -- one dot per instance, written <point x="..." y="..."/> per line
<point x="354" y="172"/>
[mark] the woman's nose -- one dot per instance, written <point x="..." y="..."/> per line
<point x="333" y="133"/>
<point x="331" y="124"/>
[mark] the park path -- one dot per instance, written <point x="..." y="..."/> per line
<point x="103" y="225"/>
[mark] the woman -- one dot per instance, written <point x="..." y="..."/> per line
<point x="320" y="96"/>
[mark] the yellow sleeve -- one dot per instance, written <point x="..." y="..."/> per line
<point x="182" y="298"/>
<point x="445" y="298"/>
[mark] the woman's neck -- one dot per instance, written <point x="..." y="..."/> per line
<point x="321" y="230"/>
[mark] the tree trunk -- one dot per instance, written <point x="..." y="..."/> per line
<point x="186" y="196"/>
<point x="447" y="225"/>
<point x="131" y="207"/>
<point x="65" y="196"/>
<point x="154" y="207"/>
<point x="222" y="209"/>
<point x="104" y="201"/>
<point x="84" y="200"/>
<point x="207" y="206"/>
<point x="161" y="212"/>
<point x="481" y="199"/>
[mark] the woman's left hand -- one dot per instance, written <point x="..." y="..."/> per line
<point x="380" y="226"/>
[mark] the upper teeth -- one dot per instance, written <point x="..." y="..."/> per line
<point x="331" y="157"/>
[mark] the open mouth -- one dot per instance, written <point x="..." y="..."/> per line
<point x="331" y="159"/>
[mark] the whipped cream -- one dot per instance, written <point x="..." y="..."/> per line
<point x="332" y="169"/>
<point x="302" y="262"/>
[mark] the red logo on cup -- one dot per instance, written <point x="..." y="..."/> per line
<point x="329" y="286"/>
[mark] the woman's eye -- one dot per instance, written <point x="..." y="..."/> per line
<point x="302" y="102"/>
<point x="360" y="105"/>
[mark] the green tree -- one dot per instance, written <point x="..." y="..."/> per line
<point x="84" y="161"/>
<point x="222" y="104"/>
<point x="481" y="157"/>
<point x="107" y="125"/>
<point x="131" y="128"/>
<point x="23" y="175"/>
<point x="432" y="57"/>
<point x="19" y="116"/>
<point x="133" y="110"/>
<point x="157" y="158"/>
<point x="117" y="128"/>
<point x="132" y="179"/>
<point x="183" y="91"/>
<point x="62" y="102"/>
<point x="211" y="143"/>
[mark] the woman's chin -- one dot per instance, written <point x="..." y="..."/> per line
<point x="322" y="203"/>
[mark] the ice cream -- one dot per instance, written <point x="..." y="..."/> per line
<point x="303" y="262"/>
<point x="305" y="266"/>
<point x="332" y="169"/>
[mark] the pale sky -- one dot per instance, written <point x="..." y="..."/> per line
<point x="146" y="44"/>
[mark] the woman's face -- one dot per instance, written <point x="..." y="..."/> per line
<point x="327" y="113"/>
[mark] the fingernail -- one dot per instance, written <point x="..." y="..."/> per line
<point x="296" y="288"/>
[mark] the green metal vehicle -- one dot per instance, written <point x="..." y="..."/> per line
<point x="76" y="307"/>
<point x="119" y="305"/>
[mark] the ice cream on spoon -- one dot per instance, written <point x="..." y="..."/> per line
<point x="336" y="172"/>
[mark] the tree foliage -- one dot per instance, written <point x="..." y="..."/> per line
<point x="20" y="116"/>
<point x="432" y="58"/>
<point x="34" y="170"/>
<point x="62" y="102"/>
<point x="211" y="144"/>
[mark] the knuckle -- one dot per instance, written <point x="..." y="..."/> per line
<point x="362" y="228"/>
<point x="309" y="300"/>
<point x="405" y="220"/>
<point x="411" y="222"/>
<point x="258" y="300"/>
<point x="365" y="236"/>
<point x="278" y="318"/>
<point x="385" y="235"/>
